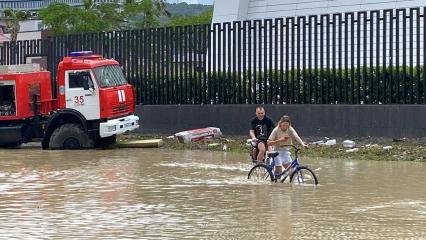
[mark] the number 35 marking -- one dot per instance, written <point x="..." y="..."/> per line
<point x="79" y="100"/>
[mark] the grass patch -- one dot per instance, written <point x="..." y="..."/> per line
<point x="368" y="148"/>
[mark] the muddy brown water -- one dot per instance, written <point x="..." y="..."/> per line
<point x="166" y="194"/>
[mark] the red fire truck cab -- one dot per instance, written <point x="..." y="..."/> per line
<point x="94" y="103"/>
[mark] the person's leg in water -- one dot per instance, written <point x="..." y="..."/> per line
<point x="261" y="150"/>
<point x="283" y="162"/>
<point x="254" y="151"/>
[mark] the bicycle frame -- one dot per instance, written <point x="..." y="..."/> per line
<point x="294" y="169"/>
<point x="294" y="165"/>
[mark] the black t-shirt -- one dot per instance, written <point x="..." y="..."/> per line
<point x="262" y="128"/>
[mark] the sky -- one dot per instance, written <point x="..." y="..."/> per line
<point x="205" y="2"/>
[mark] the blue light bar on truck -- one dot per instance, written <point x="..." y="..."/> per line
<point x="81" y="54"/>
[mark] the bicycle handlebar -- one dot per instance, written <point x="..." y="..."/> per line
<point x="291" y="145"/>
<point x="296" y="149"/>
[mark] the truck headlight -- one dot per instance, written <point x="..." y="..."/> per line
<point x="111" y="128"/>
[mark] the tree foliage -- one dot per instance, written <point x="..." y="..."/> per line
<point x="12" y="19"/>
<point x="184" y="9"/>
<point x="145" y="13"/>
<point x="203" y="18"/>
<point x="95" y="17"/>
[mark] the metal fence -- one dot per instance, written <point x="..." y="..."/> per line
<point x="374" y="57"/>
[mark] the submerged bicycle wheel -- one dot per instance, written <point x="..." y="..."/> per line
<point x="303" y="176"/>
<point x="260" y="173"/>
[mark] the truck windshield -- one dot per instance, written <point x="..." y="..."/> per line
<point x="110" y="76"/>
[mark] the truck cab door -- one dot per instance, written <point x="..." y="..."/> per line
<point x="82" y="93"/>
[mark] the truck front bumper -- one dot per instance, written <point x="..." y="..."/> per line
<point x="118" y="126"/>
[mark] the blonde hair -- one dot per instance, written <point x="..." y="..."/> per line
<point x="284" y="118"/>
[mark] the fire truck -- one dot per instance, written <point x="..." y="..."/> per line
<point x="93" y="103"/>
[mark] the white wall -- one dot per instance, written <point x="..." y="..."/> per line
<point x="27" y="26"/>
<point x="237" y="10"/>
<point x="240" y="10"/>
<point x="27" y="35"/>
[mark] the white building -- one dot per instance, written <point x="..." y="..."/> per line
<point x="354" y="32"/>
<point x="240" y="10"/>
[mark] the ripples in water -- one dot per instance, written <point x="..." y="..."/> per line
<point x="153" y="194"/>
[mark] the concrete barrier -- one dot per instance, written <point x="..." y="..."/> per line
<point x="309" y="120"/>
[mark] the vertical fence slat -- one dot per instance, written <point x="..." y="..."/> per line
<point x="424" y="55"/>
<point x="269" y="59"/>
<point x="377" y="43"/>
<point x="384" y="73"/>
<point x="189" y="63"/>
<point x="298" y="35"/>
<point x="281" y="84"/>
<point x="327" y="60"/>
<point x="304" y="95"/>
<point x="260" y="49"/>
<point x="292" y="50"/>
<point x="404" y="55"/>
<point x="213" y="74"/>
<point x="236" y="63"/>
<point x="333" y="59"/>
<point x="275" y="87"/>
<point x="250" y="93"/>
<point x="419" y="97"/>
<point x="162" y="65"/>
<point x="411" y="53"/>
<point x="358" y="60"/>
<point x="150" y="77"/>
<point x="346" y="71"/>
<point x="310" y="25"/>
<point x="227" y="75"/>
<point x="256" y="29"/>
<point x="244" y="78"/>
<point x="316" y="55"/>
<point x="321" y="61"/>
<point x="397" y="36"/>
<point x="391" y="61"/>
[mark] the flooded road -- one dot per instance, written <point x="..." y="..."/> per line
<point x="165" y="194"/>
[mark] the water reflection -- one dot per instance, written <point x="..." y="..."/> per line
<point x="158" y="194"/>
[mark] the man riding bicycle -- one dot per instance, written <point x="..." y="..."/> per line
<point x="261" y="128"/>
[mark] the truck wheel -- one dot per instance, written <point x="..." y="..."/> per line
<point x="70" y="136"/>
<point x="107" y="142"/>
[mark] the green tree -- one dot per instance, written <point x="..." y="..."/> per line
<point x="92" y="17"/>
<point x="60" y="18"/>
<point x="203" y="18"/>
<point x="149" y="11"/>
<point x="12" y="20"/>
<point x="63" y="19"/>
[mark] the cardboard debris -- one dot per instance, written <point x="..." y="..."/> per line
<point x="198" y="134"/>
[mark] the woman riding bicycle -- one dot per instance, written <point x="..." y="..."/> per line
<point x="281" y="137"/>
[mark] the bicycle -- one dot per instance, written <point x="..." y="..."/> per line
<point x="264" y="171"/>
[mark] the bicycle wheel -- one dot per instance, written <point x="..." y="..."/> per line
<point x="260" y="173"/>
<point x="303" y="176"/>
